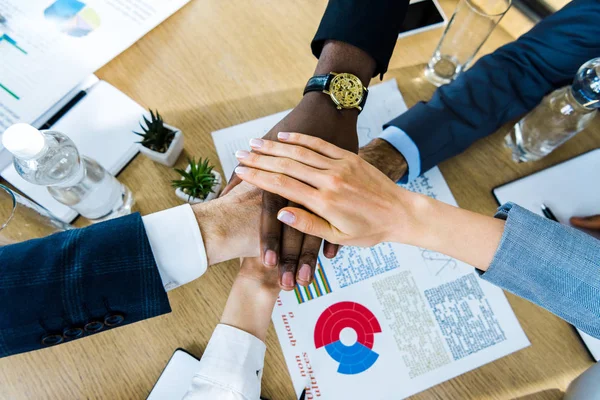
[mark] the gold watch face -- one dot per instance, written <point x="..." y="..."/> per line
<point x="346" y="90"/>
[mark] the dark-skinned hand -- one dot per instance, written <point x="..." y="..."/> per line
<point x="297" y="254"/>
<point x="316" y="115"/>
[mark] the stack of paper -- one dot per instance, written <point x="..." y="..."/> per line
<point x="48" y="47"/>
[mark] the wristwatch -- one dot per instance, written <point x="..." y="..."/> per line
<point x="346" y="90"/>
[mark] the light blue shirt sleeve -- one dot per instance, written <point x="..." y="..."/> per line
<point x="552" y="265"/>
<point x="405" y="145"/>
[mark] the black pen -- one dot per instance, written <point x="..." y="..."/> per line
<point x="548" y="213"/>
<point x="65" y="109"/>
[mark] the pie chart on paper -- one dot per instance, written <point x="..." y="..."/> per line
<point x="73" y="17"/>
<point x="353" y="358"/>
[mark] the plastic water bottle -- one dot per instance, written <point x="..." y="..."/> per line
<point x="51" y="159"/>
<point x="560" y="116"/>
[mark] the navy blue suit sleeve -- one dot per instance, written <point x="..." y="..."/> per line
<point x="505" y="84"/>
<point x="371" y="26"/>
<point x="72" y="278"/>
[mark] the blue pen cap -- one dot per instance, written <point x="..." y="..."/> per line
<point x="586" y="85"/>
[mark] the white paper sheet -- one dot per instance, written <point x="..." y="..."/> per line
<point x="108" y="140"/>
<point x="48" y="46"/>
<point x="385" y="102"/>
<point x="567" y="190"/>
<point x="422" y="317"/>
<point x="390" y="321"/>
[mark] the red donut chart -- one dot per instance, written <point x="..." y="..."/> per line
<point x="358" y="357"/>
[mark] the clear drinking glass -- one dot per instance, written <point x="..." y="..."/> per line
<point x="469" y="27"/>
<point x="21" y="219"/>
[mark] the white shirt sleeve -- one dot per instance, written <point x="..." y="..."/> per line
<point x="231" y="367"/>
<point x="405" y="145"/>
<point x="177" y="245"/>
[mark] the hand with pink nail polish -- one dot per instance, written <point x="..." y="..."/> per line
<point x="353" y="203"/>
<point x="350" y="197"/>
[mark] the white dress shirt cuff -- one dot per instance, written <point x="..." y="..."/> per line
<point x="233" y="360"/>
<point x="177" y="245"/>
<point x="405" y="145"/>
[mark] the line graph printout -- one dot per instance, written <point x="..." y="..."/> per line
<point x="398" y="320"/>
<point x="47" y="47"/>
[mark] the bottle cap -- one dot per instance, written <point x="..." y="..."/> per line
<point x="586" y="85"/>
<point x="23" y="141"/>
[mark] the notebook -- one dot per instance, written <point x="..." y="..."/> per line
<point x="101" y="125"/>
<point x="568" y="189"/>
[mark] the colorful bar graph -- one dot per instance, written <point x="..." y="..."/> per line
<point x="319" y="287"/>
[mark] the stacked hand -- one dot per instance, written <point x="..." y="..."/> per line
<point x="252" y="269"/>
<point x="229" y="225"/>
<point x="297" y="254"/>
<point x="252" y="298"/>
<point x="316" y="115"/>
<point x="333" y="183"/>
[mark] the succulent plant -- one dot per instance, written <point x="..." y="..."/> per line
<point x="198" y="182"/>
<point x="157" y="137"/>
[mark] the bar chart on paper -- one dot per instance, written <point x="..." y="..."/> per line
<point x="320" y="286"/>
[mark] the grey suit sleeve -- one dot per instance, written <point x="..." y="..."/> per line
<point x="552" y="265"/>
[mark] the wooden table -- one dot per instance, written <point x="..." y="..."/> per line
<point x="217" y="63"/>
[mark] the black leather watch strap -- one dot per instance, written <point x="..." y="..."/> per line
<point x="364" y="100"/>
<point x="318" y="83"/>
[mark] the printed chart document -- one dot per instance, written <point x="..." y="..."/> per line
<point x="47" y="47"/>
<point x="389" y="321"/>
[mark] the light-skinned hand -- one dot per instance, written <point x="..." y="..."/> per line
<point x="333" y="183"/>
<point x="356" y="204"/>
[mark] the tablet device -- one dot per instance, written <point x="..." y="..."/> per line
<point x="421" y="16"/>
<point x="176" y="378"/>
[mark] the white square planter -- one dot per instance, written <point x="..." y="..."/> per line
<point x="194" y="200"/>
<point x="173" y="152"/>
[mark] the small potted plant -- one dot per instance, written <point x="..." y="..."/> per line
<point x="161" y="143"/>
<point x="199" y="182"/>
